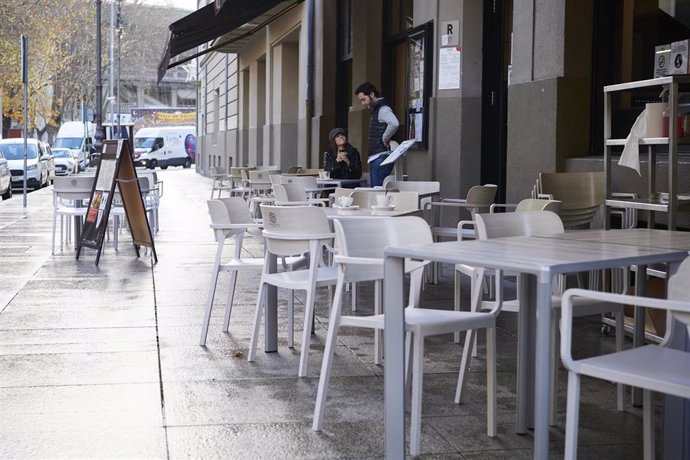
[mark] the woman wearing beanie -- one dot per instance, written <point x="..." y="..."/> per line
<point x="342" y="160"/>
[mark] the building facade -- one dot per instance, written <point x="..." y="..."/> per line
<point x="493" y="91"/>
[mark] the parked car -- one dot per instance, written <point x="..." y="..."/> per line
<point x="5" y="178"/>
<point x="50" y="162"/>
<point x="37" y="161"/>
<point x="65" y="162"/>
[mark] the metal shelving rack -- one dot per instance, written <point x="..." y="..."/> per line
<point x="651" y="202"/>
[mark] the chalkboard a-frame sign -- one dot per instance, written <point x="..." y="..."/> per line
<point x="116" y="168"/>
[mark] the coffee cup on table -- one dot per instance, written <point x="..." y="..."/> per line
<point x="345" y="201"/>
<point x="383" y="200"/>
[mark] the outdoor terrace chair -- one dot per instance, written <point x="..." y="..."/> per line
<point x="221" y="180"/>
<point x="479" y="198"/>
<point x="582" y="195"/>
<point x="293" y="194"/>
<point x="363" y="257"/>
<point x="294" y="231"/>
<point x="657" y="368"/>
<point x="68" y="194"/>
<point x="528" y="224"/>
<point x="230" y="218"/>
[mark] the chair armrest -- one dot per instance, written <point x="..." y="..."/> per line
<point x="494" y="206"/>
<point x="567" y="313"/>
<point x="357" y="260"/>
<point x="297" y="237"/>
<point x="462" y="225"/>
<point x="234" y="226"/>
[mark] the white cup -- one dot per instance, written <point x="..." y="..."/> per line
<point x="324" y="175"/>
<point x="345" y="201"/>
<point x="383" y="200"/>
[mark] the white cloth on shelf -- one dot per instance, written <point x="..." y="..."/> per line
<point x="631" y="152"/>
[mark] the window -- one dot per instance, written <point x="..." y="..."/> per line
<point x="408" y="57"/>
<point x="344" y="63"/>
<point x="216" y="115"/>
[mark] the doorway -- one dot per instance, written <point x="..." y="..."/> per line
<point x="496" y="59"/>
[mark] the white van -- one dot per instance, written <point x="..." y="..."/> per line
<point x="77" y="137"/>
<point x="165" y="146"/>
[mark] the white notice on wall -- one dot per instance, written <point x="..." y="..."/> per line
<point x="449" y="68"/>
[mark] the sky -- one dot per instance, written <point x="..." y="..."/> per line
<point x="182" y="4"/>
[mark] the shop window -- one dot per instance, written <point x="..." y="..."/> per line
<point x="407" y="78"/>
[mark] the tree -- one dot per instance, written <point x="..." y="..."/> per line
<point x="62" y="55"/>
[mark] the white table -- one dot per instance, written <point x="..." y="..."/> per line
<point x="336" y="213"/>
<point x="537" y="260"/>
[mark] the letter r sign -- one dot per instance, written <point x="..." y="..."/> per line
<point x="450" y="33"/>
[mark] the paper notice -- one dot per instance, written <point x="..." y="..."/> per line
<point x="449" y="68"/>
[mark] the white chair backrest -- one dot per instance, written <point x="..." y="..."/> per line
<point x="289" y="229"/>
<point x="361" y="237"/>
<point x="582" y="194"/>
<point x="679" y="289"/>
<point x="275" y="179"/>
<point x="517" y="224"/>
<point x="365" y="198"/>
<point x="481" y="194"/>
<point x="73" y="187"/>
<point x="532" y="204"/>
<point x="285" y="193"/>
<point x="418" y="186"/>
<point x="261" y="177"/>
<point x="405" y="201"/>
<point x="305" y="181"/>
<point x="231" y="210"/>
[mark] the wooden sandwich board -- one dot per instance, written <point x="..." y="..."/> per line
<point x="116" y="168"/>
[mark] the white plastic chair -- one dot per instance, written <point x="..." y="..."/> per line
<point x="68" y="193"/>
<point x="528" y="204"/>
<point x="294" y="231"/>
<point x="358" y="255"/>
<point x="293" y="194"/>
<point x="229" y="218"/>
<point x="221" y="180"/>
<point x="529" y="224"/>
<point x="650" y="367"/>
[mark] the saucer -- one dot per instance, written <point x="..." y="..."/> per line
<point x="383" y="208"/>
<point x="346" y="208"/>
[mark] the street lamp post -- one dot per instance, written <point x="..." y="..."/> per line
<point x="100" y="133"/>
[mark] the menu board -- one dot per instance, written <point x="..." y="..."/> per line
<point x="116" y="168"/>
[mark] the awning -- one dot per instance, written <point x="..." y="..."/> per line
<point x="210" y="22"/>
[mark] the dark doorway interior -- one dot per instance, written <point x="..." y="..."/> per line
<point x="495" y="68"/>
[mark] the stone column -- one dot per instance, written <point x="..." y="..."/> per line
<point x="549" y="96"/>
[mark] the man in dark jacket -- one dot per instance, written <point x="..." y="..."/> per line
<point x="382" y="126"/>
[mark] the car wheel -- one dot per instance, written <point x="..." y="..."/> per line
<point x="153" y="164"/>
<point x="164" y="166"/>
<point x="8" y="194"/>
<point x="187" y="163"/>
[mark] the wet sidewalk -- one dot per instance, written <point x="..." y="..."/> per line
<point x="104" y="362"/>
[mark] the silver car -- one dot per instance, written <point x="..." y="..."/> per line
<point x="5" y="178"/>
<point x="65" y="163"/>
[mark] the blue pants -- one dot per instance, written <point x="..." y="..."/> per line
<point x="377" y="172"/>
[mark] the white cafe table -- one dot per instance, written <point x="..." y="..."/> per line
<point x="363" y="213"/>
<point x="537" y="260"/>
